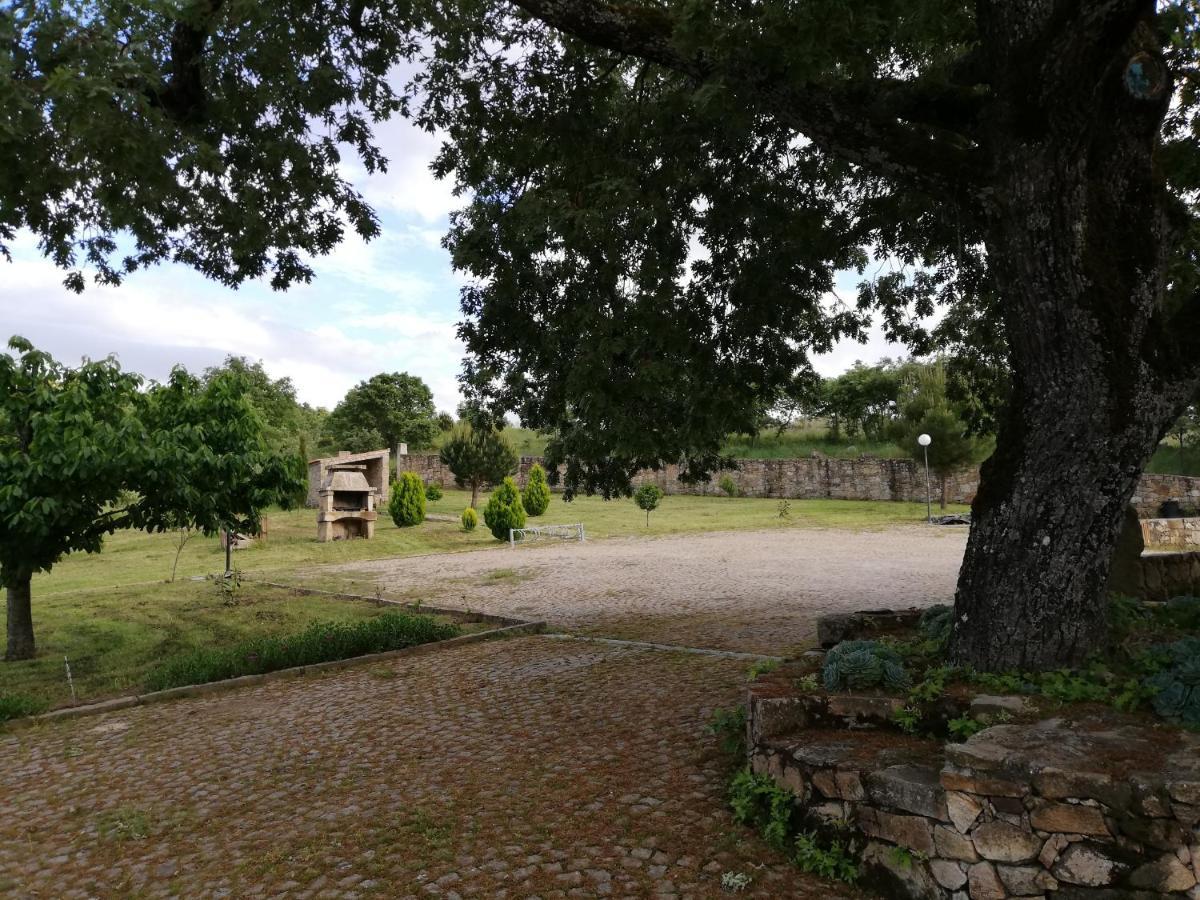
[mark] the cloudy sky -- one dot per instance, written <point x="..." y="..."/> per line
<point x="390" y="305"/>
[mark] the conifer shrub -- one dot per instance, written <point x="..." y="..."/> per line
<point x="536" y="496"/>
<point x="470" y="519"/>
<point x="407" y="503"/>
<point x="433" y="492"/>
<point x="504" y="510"/>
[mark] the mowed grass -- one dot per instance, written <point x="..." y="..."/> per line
<point x="113" y="639"/>
<point x="134" y="557"/>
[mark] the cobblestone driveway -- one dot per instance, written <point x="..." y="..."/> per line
<point x="530" y="767"/>
<point x="752" y="591"/>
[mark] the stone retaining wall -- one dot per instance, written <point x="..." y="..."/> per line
<point x="827" y="478"/>
<point x="1053" y="809"/>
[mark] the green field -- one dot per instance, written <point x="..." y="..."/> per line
<point x="113" y="615"/>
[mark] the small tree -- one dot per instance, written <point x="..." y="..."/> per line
<point x="470" y="519"/>
<point x="925" y="409"/>
<point x="85" y="452"/>
<point x="647" y="497"/>
<point x="504" y="510"/>
<point x="478" y="456"/>
<point x="407" y="503"/>
<point x="536" y="495"/>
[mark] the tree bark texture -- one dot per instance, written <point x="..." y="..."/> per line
<point x="1078" y="240"/>
<point x="20" y="619"/>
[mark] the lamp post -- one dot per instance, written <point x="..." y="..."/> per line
<point x="925" y="440"/>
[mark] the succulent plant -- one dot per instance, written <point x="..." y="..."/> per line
<point x="863" y="664"/>
<point x="1178" y="686"/>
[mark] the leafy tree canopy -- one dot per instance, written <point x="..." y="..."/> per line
<point x="87" y="451"/>
<point x="383" y="411"/>
<point x="286" y="421"/>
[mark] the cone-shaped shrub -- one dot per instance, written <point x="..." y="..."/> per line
<point x="504" y="510"/>
<point x="407" y="503"/>
<point x="536" y="495"/>
<point x="470" y="519"/>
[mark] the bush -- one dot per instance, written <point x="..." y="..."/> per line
<point x="728" y="485"/>
<point x="936" y="623"/>
<point x="536" y="495"/>
<point x="470" y="519"/>
<point x="433" y="492"/>
<point x="858" y="665"/>
<point x="647" y="497"/>
<point x="407" y="503"/>
<point x="504" y="510"/>
<point x="320" y="642"/>
<point x="17" y="706"/>
<point x="1177" y="687"/>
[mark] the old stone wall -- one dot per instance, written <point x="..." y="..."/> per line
<point x="1174" y="534"/>
<point x="826" y="478"/>
<point x="1054" y="809"/>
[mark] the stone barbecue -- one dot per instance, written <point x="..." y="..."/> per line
<point x="346" y="504"/>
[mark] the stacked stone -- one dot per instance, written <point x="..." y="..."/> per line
<point x="1015" y="812"/>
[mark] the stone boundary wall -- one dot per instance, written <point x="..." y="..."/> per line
<point x="1057" y="809"/>
<point x="827" y="478"/>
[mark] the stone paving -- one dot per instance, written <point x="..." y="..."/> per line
<point x="750" y="591"/>
<point x="524" y="768"/>
<point x="527" y="767"/>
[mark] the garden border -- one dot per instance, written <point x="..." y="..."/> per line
<point x="508" y="627"/>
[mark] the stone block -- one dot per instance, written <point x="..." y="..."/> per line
<point x="983" y="785"/>
<point x="1026" y="881"/>
<point x="1162" y="834"/>
<point x="1164" y="875"/>
<point x="909" y="878"/>
<point x="1056" y="784"/>
<point x="984" y="883"/>
<point x="952" y="845"/>
<point x="1087" y="864"/>
<point x="990" y="705"/>
<point x="948" y="874"/>
<point x="1054" y="845"/>
<point x="1002" y="842"/>
<point x="858" y="710"/>
<point x="1070" y="818"/>
<point x="913" y="789"/>
<point x="912" y="832"/>
<point x="963" y="809"/>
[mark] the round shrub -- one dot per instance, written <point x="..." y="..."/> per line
<point x="728" y="485"/>
<point x="433" y="492"/>
<point x="536" y="496"/>
<point x="936" y="623"/>
<point x="1177" y="687"/>
<point x="470" y="519"/>
<point x="504" y="510"/>
<point x="407" y="503"/>
<point x="858" y="665"/>
<point x="647" y="497"/>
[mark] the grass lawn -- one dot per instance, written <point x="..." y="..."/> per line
<point x="137" y="558"/>
<point x="114" y="638"/>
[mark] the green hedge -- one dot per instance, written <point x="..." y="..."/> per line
<point x="320" y="642"/>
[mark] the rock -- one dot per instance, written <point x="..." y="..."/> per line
<point x="984" y="883"/>
<point x="912" y="832"/>
<point x="858" y="710"/>
<point x="948" y="873"/>
<point x="913" y="877"/>
<point x="1050" y="850"/>
<point x="971" y="783"/>
<point x="1069" y="818"/>
<point x="1185" y="792"/>
<point x="1002" y="842"/>
<point x="793" y="780"/>
<point x="914" y="789"/>
<point x="1163" y="875"/>
<point x="952" y="845"/>
<point x="1162" y="834"/>
<point x="962" y="809"/>
<point x="1026" y="881"/>
<point x="989" y="705"/>
<point x="1087" y="864"/>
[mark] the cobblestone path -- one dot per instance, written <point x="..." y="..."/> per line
<point x="752" y="591"/>
<point x="529" y="767"/>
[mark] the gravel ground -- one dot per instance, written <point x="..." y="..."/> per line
<point x="750" y="591"/>
<point x="528" y="767"/>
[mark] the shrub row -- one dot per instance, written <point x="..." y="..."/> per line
<point x="320" y="642"/>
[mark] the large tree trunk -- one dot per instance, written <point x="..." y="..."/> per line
<point x="20" y="619"/>
<point x="1077" y="246"/>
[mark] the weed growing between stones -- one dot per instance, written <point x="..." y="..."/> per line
<point x="320" y="642"/>
<point x="762" y="667"/>
<point x="757" y="801"/>
<point x="729" y="725"/>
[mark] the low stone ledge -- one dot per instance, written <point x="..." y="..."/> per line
<point x="1090" y="809"/>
